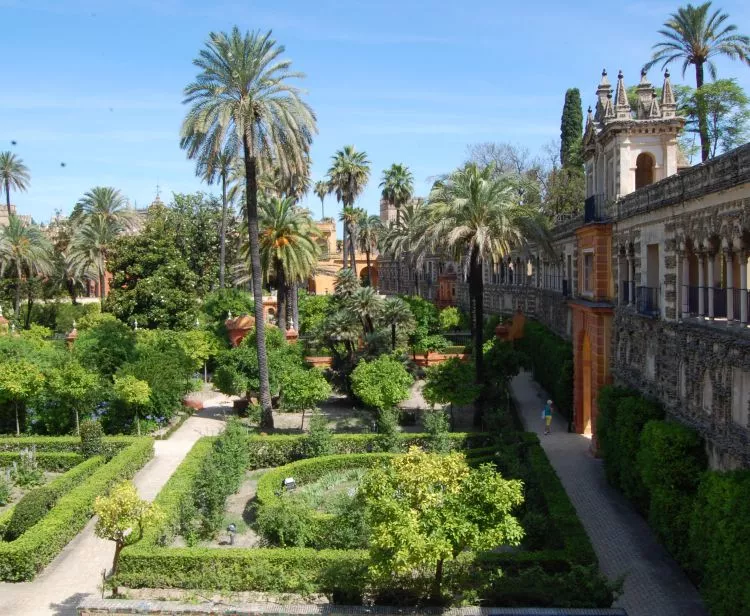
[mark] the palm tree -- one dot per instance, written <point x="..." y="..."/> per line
<point x="94" y="239"/>
<point x="694" y="35"/>
<point x="347" y="178"/>
<point x="25" y="248"/>
<point x="366" y="304"/>
<point x="13" y="173"/>
<point x="322" y="190"/>
<point x="350" y="217"/>
<point x="70" y="269"/>
<point x="396" y="313"/>
<point x="474" y="212"/>
<point x="287" y="248"/>
<point x="398" y="240"/>
<point x="242" y="99"/>
<point x="368" y="234"/>
<point x="219" y="166"/>
<point x="398" y="186"/>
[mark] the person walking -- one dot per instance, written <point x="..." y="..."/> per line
<point x="547" y="417"/>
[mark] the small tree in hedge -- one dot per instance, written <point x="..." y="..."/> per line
<point x="303" y="389"/>
<point x="123" y="516"/>
<point x="450" y="319"/>
<point x="319" y="441"/>
<point x="381" y="383"/>
<point x="74" y="388"/>
<point x="425" y="508"/>
<point x="20" y="381"/>
<point x="451" y="382"/>
<point x="133" y="393"/>
<point x="91" y="438"/>
<point x="437" y="426"/>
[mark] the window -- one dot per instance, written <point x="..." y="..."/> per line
<point x="740" y="396"/>
<point x="588" y="272"/>
<point x="644" y="170"/>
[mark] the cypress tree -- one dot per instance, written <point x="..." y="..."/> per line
<point x="571" y="128"/>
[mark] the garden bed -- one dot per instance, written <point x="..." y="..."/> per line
<point x="557" y="565"/>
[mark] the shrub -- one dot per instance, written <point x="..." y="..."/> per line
<point x="5" y="487"/>
<point x="387" y="439"/>
<point x="26" y="472"/>
<point x="437" y="426"/>
<point x="48" y="461"/>
<point x="450" y="319"/>
<point x="433" y="343"/>
<point x="720" y="541"/>
<point x="287" y="523"/>
<point x="671" y="460"/>
<point x="91" y="438"/>
<point x="318" y="442"/>
<point x="381" y="383"/>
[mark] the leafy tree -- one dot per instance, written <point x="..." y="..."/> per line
<point x="426" y="314"/>
<point x="451" y="382"/>
<point x="397" y="314"/>
<point x="20" y="381"/>
<point x="426" y="508"/>
<point x="104" y="346"/>
<point x="243" y="98"/>
<point x="122" y="518"/>
<point x="303" y="389"/>
<point x="397" y="187"/>
<point x="69" y="390"/>
<point x="694" y="35"/>
<point x="726" y="108"/>
<point x="13" y="173"/>
<point x="571" y="130"/>
<point x="347" y="178"/>
<point x="133" y="393"/>
<point x="381" y="383"/>
<point x="476" y="213"/>
<point x="313" y="310"/>
<point x="24" y="248"/>
<point x="449" y="318"/>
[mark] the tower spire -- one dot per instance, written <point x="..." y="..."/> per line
<point x="668" y="102"/>
<point x="622" y="106"/>
<point x="603" y="92"/>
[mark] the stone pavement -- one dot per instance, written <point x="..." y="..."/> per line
<point x="625" y="545"/>
<point x="77" y="570"/>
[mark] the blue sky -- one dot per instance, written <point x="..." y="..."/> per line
<point x="97" y="84"/>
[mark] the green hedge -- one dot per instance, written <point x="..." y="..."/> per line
<point x="551" y="359"/>
<point x="23" y="558"/>
<point x="49" y="461"/>
<point x="70" y="444"/>
<point x="570" y="571"/>
<point x="35" y="504"/>
<point x="271" y="451"/>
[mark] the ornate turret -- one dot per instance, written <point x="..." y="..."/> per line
<point x="603" y="93"/>
<point x="668" y="102"/>
<point x="622" y="106"/>
<point x="648" y="107"/>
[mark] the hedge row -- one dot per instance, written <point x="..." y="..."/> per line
<point x="35" y="504"/>
<point x="23" y="558"/>
<point x="71" y="444"/>
<point x="272" y="451"/>
<point x="551" y="359"/>
<point x="49" y="461"/>
<point x="701" y="516"/>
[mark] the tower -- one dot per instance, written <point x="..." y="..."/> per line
<point x="626" y="148"/>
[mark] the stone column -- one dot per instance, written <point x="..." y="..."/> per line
<point x="743" y="287"/>
<point x="730" y="284"/>
<point x="619" y="280"/>
<point x="701" y="285"/>
<point x="685" y="286"/>
<point x="631" y="279"/>
<point x="711" y="266"/>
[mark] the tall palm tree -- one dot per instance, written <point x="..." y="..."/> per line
<point x="350" y="217"/>
<point x="13" y="173"/>
<point x="94" y="239"/>
<point x="347" y="178"/>
<point x="369" y="230"/>
<point x="695" y="35"/>
<point x="396" y="313"/>
<point x="322" y="190"/>
<point x="399" y="238"/>
<point x="70" y="269"/>
<point x="26" y="249"/>
<point x="288" y="248"/>
<point x="474" y="212"/>
<point x="242" y="100"/>
<point x="398" y="186"/>
<point x="219" y="166"/>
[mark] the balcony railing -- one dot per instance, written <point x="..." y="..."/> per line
<point x="595" y="209"/>
<point x="647" y="300"/>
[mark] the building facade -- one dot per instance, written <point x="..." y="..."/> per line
<point x="650" y="282"/>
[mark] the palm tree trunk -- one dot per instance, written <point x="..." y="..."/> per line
<point x="102" y="276"/>
<point x="477" y="283"/>
<point x="7" y="197"/>
<point x="398" y="275"/>
<point x="223" y="231"/>
<point x="393" y="336"/>
<point x="17" y="303"/>
<point x="345" y="246"/>
<point x="702" y="121"/>
<point x="29" y="305"/>
<point x="71" y="286"/>
<point x="352" y="249"/>
<point x="295" y="305"/>
<point x="322" y="210"/>
<point x="280" y="296"/>
<point x="369" y="271"/>
<point x="251" y="209"/>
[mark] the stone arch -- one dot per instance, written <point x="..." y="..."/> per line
<point x="645" y="168"/>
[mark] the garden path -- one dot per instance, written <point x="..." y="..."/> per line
<point x="625" y="545"/>
<point x="77" y="570"/>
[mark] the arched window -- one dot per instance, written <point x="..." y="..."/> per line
<point x="644" y="170"/>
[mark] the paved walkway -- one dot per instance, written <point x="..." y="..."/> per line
<point x="626" y="547"/>
<point x="77" y="570"/>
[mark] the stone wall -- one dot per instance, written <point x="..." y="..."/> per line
<point x="689" y="368"/>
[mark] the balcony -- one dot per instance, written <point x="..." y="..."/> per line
<point x="647" y="301"/>
<point x="595" y="209"/>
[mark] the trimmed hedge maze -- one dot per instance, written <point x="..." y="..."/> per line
<point x="39" y="526"/>
<point x="556" y="567"/>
